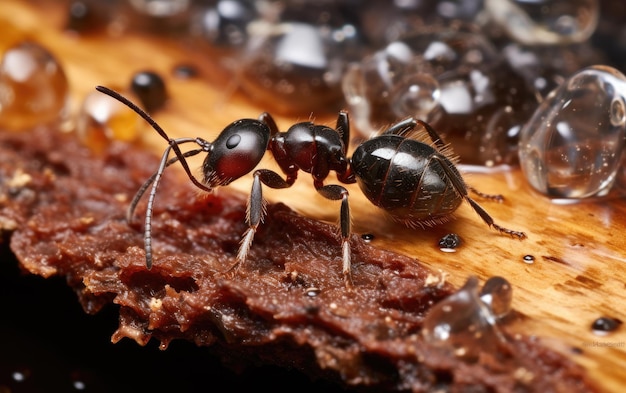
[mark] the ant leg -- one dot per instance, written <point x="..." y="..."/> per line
<point x="269" y="121"/>
<point x="172" y="142"/>
<point x="461" y="188"/>
<point x="493" y="197"/>
<point x="434" y="136"/>
<point x="343" y="128"/>
<point x="401" y="127"/>
<point x="256" y="206"/>
<point x="445" y="150"/>
<point x="336" y="192"/>
<point x="147" y="234"/>
<point x="155" y="179"/>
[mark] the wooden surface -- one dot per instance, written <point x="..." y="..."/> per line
<point x="579" y="273"/>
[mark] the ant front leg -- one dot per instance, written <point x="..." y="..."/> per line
<point x="256" y="206"/>
<point x="155" y="179"/>
<point x="336" y="192"/>
<point x="343" y="128"/>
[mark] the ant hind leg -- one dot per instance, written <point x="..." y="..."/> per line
<point x="461" y="188"/>
<point x="492" y="197"/>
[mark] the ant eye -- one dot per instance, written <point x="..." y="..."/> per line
<point x="233" y="141"/>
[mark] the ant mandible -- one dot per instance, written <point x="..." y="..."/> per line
<point x="410" y="174"/>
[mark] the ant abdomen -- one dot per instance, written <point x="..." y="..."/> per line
<point x="406" y="178"/>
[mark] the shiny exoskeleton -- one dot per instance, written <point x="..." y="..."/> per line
<point x="407" y="170"/>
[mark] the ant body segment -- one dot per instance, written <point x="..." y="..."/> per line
<point x="410" y="174"/>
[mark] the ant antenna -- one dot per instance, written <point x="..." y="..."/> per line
<point x="147" y="183"/>
<point x="173" y="144"/>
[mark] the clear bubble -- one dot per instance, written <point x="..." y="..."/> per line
<point x="545" y="21"/>
<point x="34" y="89"/>
<point x="293" y="61"/>
<point x="497" y="293"/>
<point x="571" y="147"/>
<point x="102" y="119"/>
<point x="312" y="291"/>
<point x="367" y="86"/>
<point x="430" y="74"/>
<point x="225" y="24"/>
<point x="449" y="242"/>
<point x="160" y="8"/>
<point x="464" y="323"/>
<point x="415" y="95"/>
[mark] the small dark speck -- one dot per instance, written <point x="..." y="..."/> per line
<point x="588" y="282"/>
<point x="555" y="259"/>
<point x="605" y="324"/>
<point x="577" y="350"/>
<point x="311" y="310"/>
<point x="367" y="237"/>
<point x="185" y="71"/>
<point x="529" y="259"/>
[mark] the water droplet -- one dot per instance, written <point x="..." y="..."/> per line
<point x="79" y="385"/>
<point x="617" y="113"/>
<point x="449" y="242"/>
<point x="415" y="95"/>
<point x="367" y="237"/>
<point x="312" y="291"/>
<point x="545" y="22"/>
<point x="102" y="119"/>
<point x="604" y="325"/>
<point x="87" y="16"/>
<point x="78" y="13"/>
<point x="463" y="323"/>
<point x="33" y="88"/>
<point x="149" y="87"/>
<point x="301" y="52"/>
<point x="160" y="8"/>
<point x="421" y="73"/>
<point x="185" y="71"/>
<point x="366" y="85"/>
<point x="529" y="259"/>
<point x="18" y="376"/>
<point x="571" y="146"/>
<point x="497" y="293"/>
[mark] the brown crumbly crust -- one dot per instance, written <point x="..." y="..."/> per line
<point x="287" y="305"/>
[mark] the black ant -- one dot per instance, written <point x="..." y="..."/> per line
<point x="409" y="174"/>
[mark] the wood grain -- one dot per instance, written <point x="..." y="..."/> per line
<point x="579" y="272"/>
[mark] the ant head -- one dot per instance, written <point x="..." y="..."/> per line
<point x="236" y="152"/>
